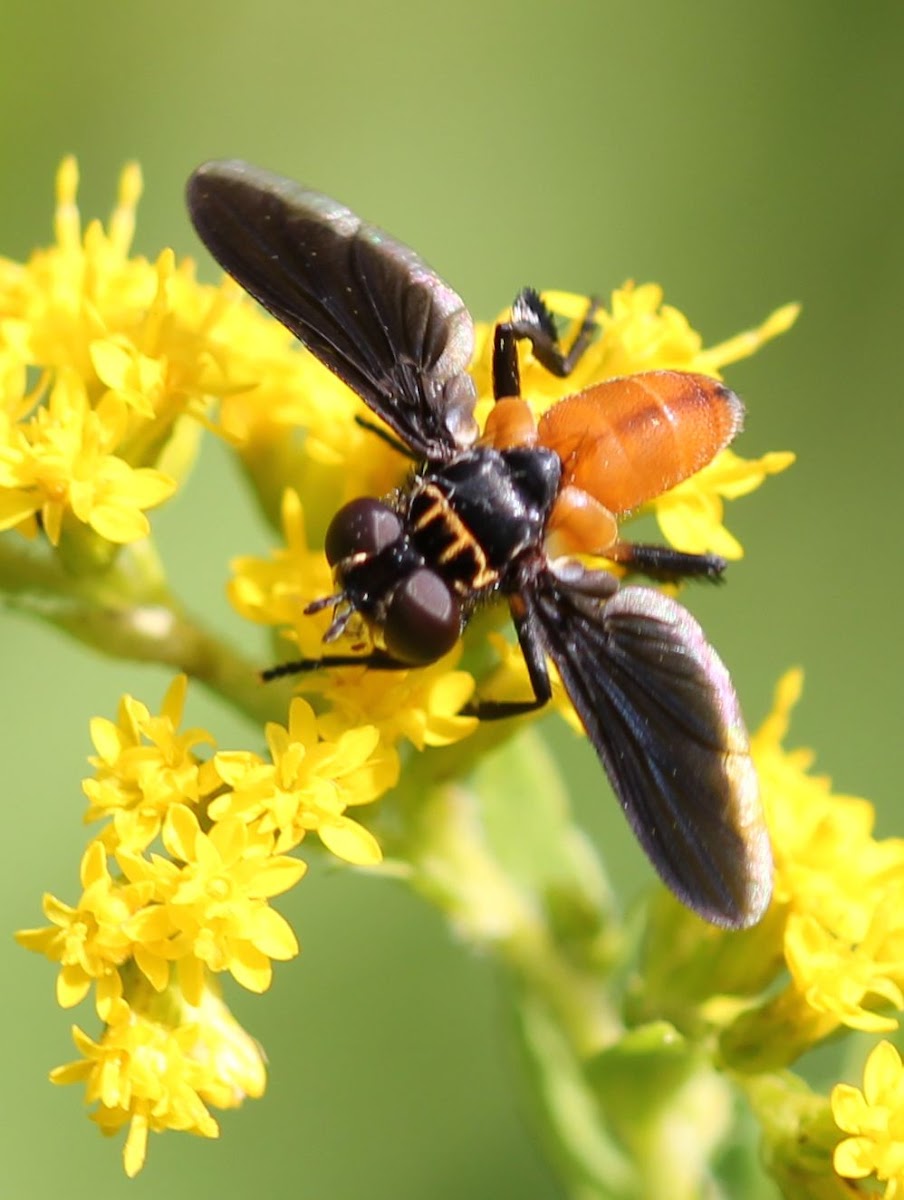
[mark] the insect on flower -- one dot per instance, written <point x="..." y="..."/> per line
<point x="504" y="511"/>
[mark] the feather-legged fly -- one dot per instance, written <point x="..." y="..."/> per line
<point x="504" y="512"/>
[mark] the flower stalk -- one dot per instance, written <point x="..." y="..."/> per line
<point x="130" y="613"/>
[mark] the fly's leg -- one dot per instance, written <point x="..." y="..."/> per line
<point x="385" y="436"/>
<point x="535" y="658"/>
<point x="377" y="660"/>
<point x="666" y="565"/>
<point x="532" y="321"/>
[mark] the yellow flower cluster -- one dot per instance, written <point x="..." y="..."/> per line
<point x="152" y="929"/>
<point x="837" y="917"/>
<point x="133" y="360"/>
<point x="875" y="1119"/>
<point x="840" y="890"/>
<point x="155" y="1071"/>
<point x="828" y="956"/>
<point x="85" y="318"/>
<point x="130" y="357"/>
<point x="839" y="904"/>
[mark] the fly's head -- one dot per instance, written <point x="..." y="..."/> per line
<point x="381" y="576"/>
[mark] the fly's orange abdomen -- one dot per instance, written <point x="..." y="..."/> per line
<point x="628" y="440"/>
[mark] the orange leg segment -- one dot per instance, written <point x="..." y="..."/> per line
<point x="510" y="425"/>
<point x="579" y="524"/>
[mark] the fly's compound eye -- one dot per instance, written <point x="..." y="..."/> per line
<point x="423" y="621"/>
<point x="362" y="527"/>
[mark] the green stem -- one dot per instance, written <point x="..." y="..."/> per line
<point x="456" y="870"/>
<point x="519" y="882"/>
<point x="128" y="612"/>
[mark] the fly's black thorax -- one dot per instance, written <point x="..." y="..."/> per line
<point x="470" y="519"/>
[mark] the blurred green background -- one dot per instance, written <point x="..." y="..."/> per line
<point x="743" y="155"/>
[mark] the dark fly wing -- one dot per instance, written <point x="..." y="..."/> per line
<point x="659" y="707"/>
<point x="363" y="303"/>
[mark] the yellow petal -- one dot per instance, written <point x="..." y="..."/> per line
<point x="136" y="1147"/>
<point x="350" y="841"/>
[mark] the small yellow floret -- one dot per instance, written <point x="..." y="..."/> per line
<point x="875" y="1118"/>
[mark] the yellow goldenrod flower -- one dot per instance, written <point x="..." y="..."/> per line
<point x="847" y="978"/>
<point x="875" y="1118"/>
<point x="143" y="767"/>
<point x="61" y="461"/>
<point x="274" y="591"/>
<point x="423" y="705"/>
<point x="94" y="321"/>
<point x="234" y="1060"/>
<point x="159" y="1063"/>
<point x="201" y="908"/>
<point x="691" y="514"/>
<point x="128" y="349"/>
<point x="90" y="941"/>
<point x="143" y="1075"/>
<point x="209" y="904"/>
<point x="309" y="784"/>
<point x="150" y="939"/>
<point x="836" y="918"/>
<point x="840" y="888"/>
